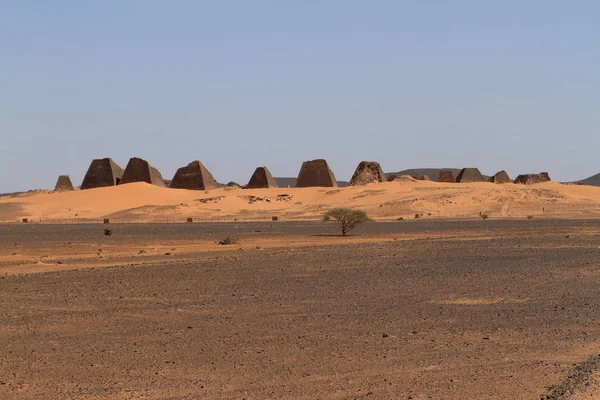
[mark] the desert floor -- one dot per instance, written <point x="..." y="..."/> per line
<point x="494" y="309"/>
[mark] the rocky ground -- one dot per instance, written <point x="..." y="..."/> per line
<point x="459" y="310"/>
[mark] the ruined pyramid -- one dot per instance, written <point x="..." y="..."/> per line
<point x="139" y="170"/>
<point x="63" y="183"/>
<point x="367" y="172"/>
<point x="315" y="173"/>
<point x="469" y="175"/>
<point x="500" y="177"/>
<point x="194" y="176"/>
<point x="101" y="173"/>
<point x="261" y="178"/>
<point x="446" y="176"/>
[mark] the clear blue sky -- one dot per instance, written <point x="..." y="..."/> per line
<point x="500" y="84"/>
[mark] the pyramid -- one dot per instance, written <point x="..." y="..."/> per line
<point x="315" y="173"/>
<point x="500" y="177"/>
<point x="194" y="176"/>
<point x="469" y="175"/>
<point x="63" y="183"/>
<point x="101" y="173"/>
<point x="531" y="179"/>
<point x="446" y="176"/>
<point x="367" y="172"/>
<point x="261" y="178"/>
<point x="138" y="170"/>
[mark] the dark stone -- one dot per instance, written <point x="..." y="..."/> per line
<point x="63" y="183"/>
<point x="194" y="176"/>
<point x="139" y="170"/>
<point x="446" y="176"/>
<point x="101" y="173"/>
<point x="261" y="178"/>
<point x="315" y="173"/>
<point x="531" y="179"/>
<point x="500" y="177"/>
<point x="469" y="175"/>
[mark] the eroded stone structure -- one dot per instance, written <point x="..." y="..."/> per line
<point x="467" y="175"/>
<point x="367" y="172"/>
<point x="261" y="178"/>
<point x="194" y="176"/>
<point x="63" y="184"/>
<point x="139" y="170"/>
<point x="531" y="179"/>
<point x="101" y="173"/>
<point x="446" y="176"/>
<point x="500" y="177"/>
<point x="316" y="173"/>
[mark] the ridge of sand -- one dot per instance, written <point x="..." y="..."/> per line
<point x="388" y="200"/>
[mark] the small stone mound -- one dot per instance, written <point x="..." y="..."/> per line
<point x="422" y="178"/>
<point x="403" y="178"/>
<point x="139" y="170"/>
<point x="467" y="175"/>
<point x="500" y="177"/>
<point x="102" y="172"/>
<point x="367" y="172"/>
<point x="532" y="179"/>
<point x="232" y="184"/>
<point x="315" y="173"/>
<point x="446" y="176"/>
<point x="261" y="178"/>
<point x="63" y="184"/>
<point x="194" y="176"/>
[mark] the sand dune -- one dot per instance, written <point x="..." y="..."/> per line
<point x="390" y="200"/>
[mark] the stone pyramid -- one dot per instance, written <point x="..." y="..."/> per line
<point x="101" y="173"/>
<point x="446" y="176"/>
<point x="63" y="183"/>
<point x="500" y="177"/>
<point x="315" y="173"/>
<point x="469" y="175"/>
<point x="367" y="172"/>
<point x="194" y="176"/>
<point x="261" y="178"/>
<point x="139" y="170"/>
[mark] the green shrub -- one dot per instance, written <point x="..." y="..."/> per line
<point x="346" y="218"/>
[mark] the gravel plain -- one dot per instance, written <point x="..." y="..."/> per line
<point x="505" y="314"/>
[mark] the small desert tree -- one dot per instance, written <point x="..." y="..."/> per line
<point x="346" y="218"/>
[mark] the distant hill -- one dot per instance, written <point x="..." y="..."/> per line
<point x="591" y="181"/>
<point x="432" y="173"/>
<point x="291" y="182"/>
<point x="10" y="194"/>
